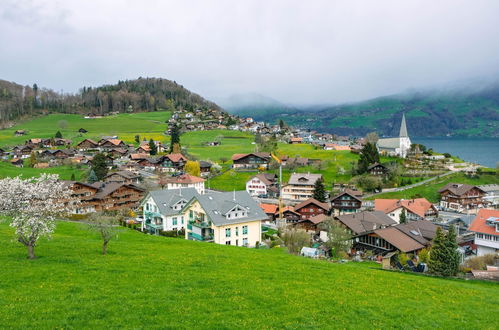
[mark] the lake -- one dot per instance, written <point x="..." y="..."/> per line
<point x="483" y="151"/>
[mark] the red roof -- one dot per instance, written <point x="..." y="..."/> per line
<point x="186" y="178"/>
<point x="418" y="206"/>
<point x="269" y="208"/>
<point x="480" y="225"/>
<point x="176" y="157"/>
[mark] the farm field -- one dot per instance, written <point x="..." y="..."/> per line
<point x="145" y="124"/>
<point x="152" y="281"/>
<point x="430" y="190"/>
<point x="64" y="172"/>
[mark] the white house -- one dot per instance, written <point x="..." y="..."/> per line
<point x="486" y="229"/>
<point x="186" y="181"/>
<point x="398" y="146"/>
<point x="300" y="186"/>
<point x="262" y="184"/>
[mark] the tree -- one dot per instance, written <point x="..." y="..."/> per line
<point x="319" y="191"/>
<point x="137" y="139"/>
<point x="372" y="138"/>
<point x="99" y="166"/>
<point x="225" y="160"/>
<point x="62" y="124"/>
<point x="295" y="239"/>
<point x="152" y="147"/>
<point x="258" y="138"/>
<point x="368" y="155"/>
<point x="339" y="239"/>
<point x="33" y="160"/>
<point x="34" y="204"/>
<point x="92" y="178"/>
<point x="106" y="226"/>
<point x="444" y="257"/>
<point x="282" y="125"/>
<point x="192" y="168"/>
<point x="368" y="182"/>
<point x="175" y="137"/>
<point x="176" y="149"/>
<point x="73" y="177"/>
<point x="403" y="216"/>
<point x="270" y="145"/>
<point x="58" y="135"/>
<point x="162" y="179"/>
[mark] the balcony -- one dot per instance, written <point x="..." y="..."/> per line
<point x="197" y="237"/>
<point x="199" y="224"/>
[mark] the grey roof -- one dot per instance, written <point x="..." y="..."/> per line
<point x="166" y="198"/>
<point x="304" y="178"/>
<point x="366" y="221"/>
<point x="389" y="143"/>
<point x="457" y="188"/>
<point x="216" y="204"/>
<point x="489" y="187"/>
<point x="403" y="127"/>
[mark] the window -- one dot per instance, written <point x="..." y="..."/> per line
<point x="245" y="230"/>
<point x="237" y="232"/>
<point x="227" y="243"/>
<point x="245" y="242"/>
<point x="227" y="232"/>
<point x="191" y="214"/>
<point x="175" y="221"/>
<point x="182" y="220"/>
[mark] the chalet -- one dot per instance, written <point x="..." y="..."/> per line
<point x="173" y="162"/>
<point x="271" y="210"/>
<point x="415" y="209"/>
<point x="186" y="181"/>
<point x="149" y="163"/>
<point x="485" y="226"/>
<point x="18" y="162"/>
<point x="87" y="144"/>
<point x="123" y="177"/>
<point x="62" y="142"/>
<point x="312" y="223"/>
<point x="20" y="132"/>
<point x="263" y="184"/>
<point x="108" y="144"/>
<point x="143" y="149"/>
<point x="289" y="214"/>
<point x="22" y="151"/>
<point x="39" y="143"/>
<point x="377" y="169"/>
<point x="461" y="197"/>
<point x="60" y="153"/>
<point x="300" y="186"/>
<point x="84" y="193"/>
<point x="336" y="147"/>
<point x="346" y="202"/>
<point x="116" y="196"/>
<point x="82" y="130"/>
<point x="139" y="156"/>
<point x="365" y="222"/>
<point x="312" y="207"/>
<point x="408" y="238"/>
<point x="295" y="140"/>
<point x="117" y="153"/>
<point x="205" y="168"/>
<point x="251" y="161"/>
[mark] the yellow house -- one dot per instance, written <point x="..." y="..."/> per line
<point x="231" y="218"/>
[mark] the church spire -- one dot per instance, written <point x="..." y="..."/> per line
<point x="403" y="127"/>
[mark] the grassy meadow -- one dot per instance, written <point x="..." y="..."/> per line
<point x="156" y="282"/>
<point x="64" y="172"/>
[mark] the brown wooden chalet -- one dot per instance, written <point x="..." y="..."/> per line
<point x="460" y="197"/>
<point x="252" y="160"/>
<point x="205" y="167"/>
<point x="116" y="196"/>
<point x="84" y="193"/>
<point x="117" y="153"/>
<point x="108" y="144"/>
<point x="123" y="177"/>
<point x="312" y="223"/>
<point x="289" y="214"/>
<point x="22" y="151"/>
<point x="347" y="201"/>
<point x="20" y="132"/>
<point x="62" y="142"/>
<point x="312" y="207"/>
<point x="173" y="162"/>
<point x="18" y="162"/>
<point x="377" y="169"/>
<point x="39" y="143"/>
<point x="87" y="144"/>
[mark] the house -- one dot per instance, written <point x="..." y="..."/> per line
<point x="61" y="142"/>
<point x="186" y="181"/>
<point x="173" y="162"/>
<point x="398" y="146"/>
<point x="415" y="209"/>
<point x="87" y="144"/>
<point x="312" y="223"/>
<point x="252" y="160"/>
<point x="347" y="201"/>
<point x="295" y="140"/>
<point x="271" y="210"/>
<point x="38" y="143"/>
<point x="491" y="195"/>
<point x="289" y="214"/>
<point x="82" y="130"/>
<point x="486" y="229"/>
<point x="300" y="186"/>
<point x="336" y="147"/>
<point x="108" y="144"/>
<point x="139" y="156"/>
<point x="22" y="151"/>
<point x="163" y="210"/>
<point x="117" y="153"/>
<point x="230" y="218"/>
<point x="20" y="132"/>
<point x="461" y="197"/>
<point x="408" y="238"/>
<point x="84" y="193"/>
<point x="263" y="184"/>
<point x="311" y="208"/>
<point x="116" y="196"/>
<point x="366" y="221"/>
<point x="205" y="168"/>
<point x="377" y="169"/>
<point x="18" y="162"/>
<point x="122" y="177"/>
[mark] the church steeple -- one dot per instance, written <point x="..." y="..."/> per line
<point x="403" y="127"/>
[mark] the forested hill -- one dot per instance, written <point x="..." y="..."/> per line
<point x="143" y="94"/>
<point x="457" y="112"/>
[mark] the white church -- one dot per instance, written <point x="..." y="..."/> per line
<point x="398" y="146"/>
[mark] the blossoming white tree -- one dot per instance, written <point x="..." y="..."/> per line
<point x="34" y="204"/>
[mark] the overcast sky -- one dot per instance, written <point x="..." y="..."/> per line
<point x="300" y="52"/>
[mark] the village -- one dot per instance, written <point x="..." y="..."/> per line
<point x="163" y="192"/>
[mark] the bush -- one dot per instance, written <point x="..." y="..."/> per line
<point x="480" y="263"/>
<point x="424" y="256"/>
<point x="402" y="258"/>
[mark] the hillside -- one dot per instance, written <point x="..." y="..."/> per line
<point x="156" y="282"/>
<point x="458" y="112"/>
<point x="142" y="94"/>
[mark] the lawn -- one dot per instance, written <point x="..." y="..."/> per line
<point x="147" y="124"/>
<point x="157" y="282"/>
<point x="430" y="190"/>
<point x="65" y="172"/>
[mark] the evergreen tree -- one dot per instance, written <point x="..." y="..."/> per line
<point x="368" y="155"/>
<point x="403" y="216"/>
<point x="444" y="257"/>
<point x="137" y="139"/>
<point x="281" y="124"/>
<point x="175" y="137"/>
<point x="33" y="160"/>
<point x="152" y="146"/>
<point x="453" y="258"/>
<point x="92" y="177"/>
<point x="58" y="135"/>
<point x="99" y="166"/>
<point x="319" y="191"/>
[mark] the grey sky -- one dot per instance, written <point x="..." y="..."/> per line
<point x="294" y="51"/>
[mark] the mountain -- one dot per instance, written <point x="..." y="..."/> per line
<point x="456" y="111"/>
<point x="254" y="105"/>
<point x="142" y="94"/>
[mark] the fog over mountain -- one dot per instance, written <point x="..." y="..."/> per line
<point x="300" y="53"/>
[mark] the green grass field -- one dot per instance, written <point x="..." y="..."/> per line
<point x="157" y="282"/>
<point x="146" y="124"/>
<point x="430" y="190"/>
<point x="64" y="172"/>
